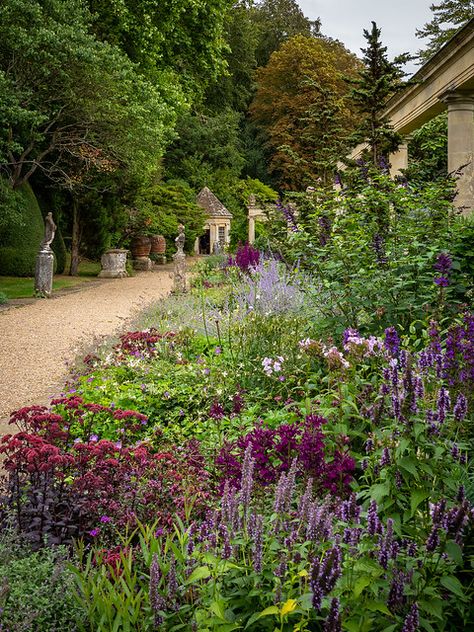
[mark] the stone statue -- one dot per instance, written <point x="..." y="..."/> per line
<point x="180" y="239"/>
<point x="49" y="232"/>
<point x="179" y="259"/>
<point x="252" y="200"/>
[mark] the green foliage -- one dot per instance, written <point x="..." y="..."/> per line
<point x="37" y="589"/>
<point x="373" y="249"/>
<point x="428" y="151"/>
<point x="19" y="243"/>
<point x="184" y="37"/>
<point x="448" y="17"/>
<point x="378" y="81"/>
<point x="235" y="87"/>
<point x="169" y="204"/>
<point x="205" y="145"/>
<point x="278" y="21"/>
<point x="71" y="104"/>
<point x="3" y="298"/>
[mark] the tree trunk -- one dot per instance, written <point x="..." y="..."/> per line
<point x="76" y="238"/>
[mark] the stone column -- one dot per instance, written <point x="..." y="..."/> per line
<point x="461" y="147"/>
<point x="399" y="160"/>
<point x="196" y="246"/>
<point x="251" y="230"/>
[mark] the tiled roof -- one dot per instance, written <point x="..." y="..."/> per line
<point x="211" y="204"/>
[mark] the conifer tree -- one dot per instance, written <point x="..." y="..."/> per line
<point x="448" y="17"/>
<point x="377" y="82"/>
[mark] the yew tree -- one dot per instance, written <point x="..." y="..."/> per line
<point x="301" y="106"/>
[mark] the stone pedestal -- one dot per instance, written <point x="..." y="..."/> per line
<point x="44" y="273"/>
<point x="179" y="273"/>
<point x="142" y="264"/>
<point x="114" y="264"/>
<point x="461" y="147"/>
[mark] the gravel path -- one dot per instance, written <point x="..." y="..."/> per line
<point x="38" y="340"/>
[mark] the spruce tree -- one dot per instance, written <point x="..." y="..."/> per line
<point x="378" y="80"/>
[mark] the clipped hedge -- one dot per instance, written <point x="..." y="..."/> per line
<point x="19" y="246"/>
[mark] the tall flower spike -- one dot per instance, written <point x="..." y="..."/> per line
<point x="157" y="602"/>
<point x="247" y="478"/>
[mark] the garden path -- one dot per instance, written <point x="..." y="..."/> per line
<point x="40" y="339"/>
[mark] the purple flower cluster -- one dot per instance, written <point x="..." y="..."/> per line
<point x="289" y="215"/>
<point x="245" y="258"/>
<point x="392" y="341"/>
<point x="324" y="574"/>
<point x="443" y="265"/>
<point x="274" y="450"/>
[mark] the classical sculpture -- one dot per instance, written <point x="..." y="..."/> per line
<point x="179" y="259"/>
<point x="49" y="232"/>
<point x="180" y="239"/>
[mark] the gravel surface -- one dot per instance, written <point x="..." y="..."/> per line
<point x="38" y="340"/>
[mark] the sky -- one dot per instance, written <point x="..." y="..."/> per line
<point x="345" y="20"/>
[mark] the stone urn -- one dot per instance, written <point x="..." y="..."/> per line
<point x="158" y="248"/>
<point x="114" y="264"/>
<point x="140" y="246"/>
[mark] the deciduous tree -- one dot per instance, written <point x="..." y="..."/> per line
<point x="301" y="105"/>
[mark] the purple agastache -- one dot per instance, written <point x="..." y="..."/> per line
<point x="289" y="216"/>
<point x="157" y="602"/>
<point x="385" y="459"/>
<point x="443" y="404"/>
<point x="255" y="530"/>
<point x="441" y="281"/>
<point x="412" y="621"/>
<point x="392" y="341"/>
<point x="374" y="525"/>
<point x="460" y="408"/>
<point x="324" y="574"/>
<point x="443" y="263"/>
<point x="247" y="478"/>
<point x="333" y="620"/>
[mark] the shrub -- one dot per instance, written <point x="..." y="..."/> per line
<point x="19" y="245"/>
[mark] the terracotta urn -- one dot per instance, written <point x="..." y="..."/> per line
<point x="158" y="245"/>
<point x="140" y="246"/>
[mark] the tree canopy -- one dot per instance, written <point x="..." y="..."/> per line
<point x="301" y="105"/>
<point x="69" y="102"/>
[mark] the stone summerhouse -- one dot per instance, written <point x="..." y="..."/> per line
<point x="216" y="235"/>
